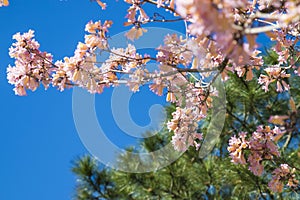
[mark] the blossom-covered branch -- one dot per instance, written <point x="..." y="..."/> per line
<point x="220" y="40"/>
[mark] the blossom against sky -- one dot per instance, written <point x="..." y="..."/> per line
<point x="38" y="136"/>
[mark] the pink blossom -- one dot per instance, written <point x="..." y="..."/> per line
<point x="236" y="146"/>
<point x="255" y="165"/>
<point x="260" y="146"/>
<point x="274" y="74"/>
<point x="32" y="66"/>
<point x="280" y="175"/>
<point x="184" y="125"/>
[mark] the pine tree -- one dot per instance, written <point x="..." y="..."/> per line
<point x="214" y="176"/>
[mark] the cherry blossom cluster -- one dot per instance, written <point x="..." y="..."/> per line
<point x="184" y="124"/>
<point x="274" y="74"/>
<point x="288" y="57"/>
<point x="126" y="61"/>
<point x="217" y="21"/>
<point x="136" y="16"/>
<point x="81" y="69"/>
<point x="292" y="14"/>
<point x="31" y="65"/>
<point x="258" y="148"/>
<point x="282" y="174"/>
<point x="135" y="13"/>
<point x="261" y="146"/>
<point x="177" y="57"/>
<point x="234" y="25"/>
<point x="174" y="51"/>
<point x="236" y="147"/>
<point x="193" y="104"/>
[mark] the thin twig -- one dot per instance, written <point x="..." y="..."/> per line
<point x="162" y="6"/>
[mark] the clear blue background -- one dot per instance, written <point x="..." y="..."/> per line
<point x="38" y="139"/>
